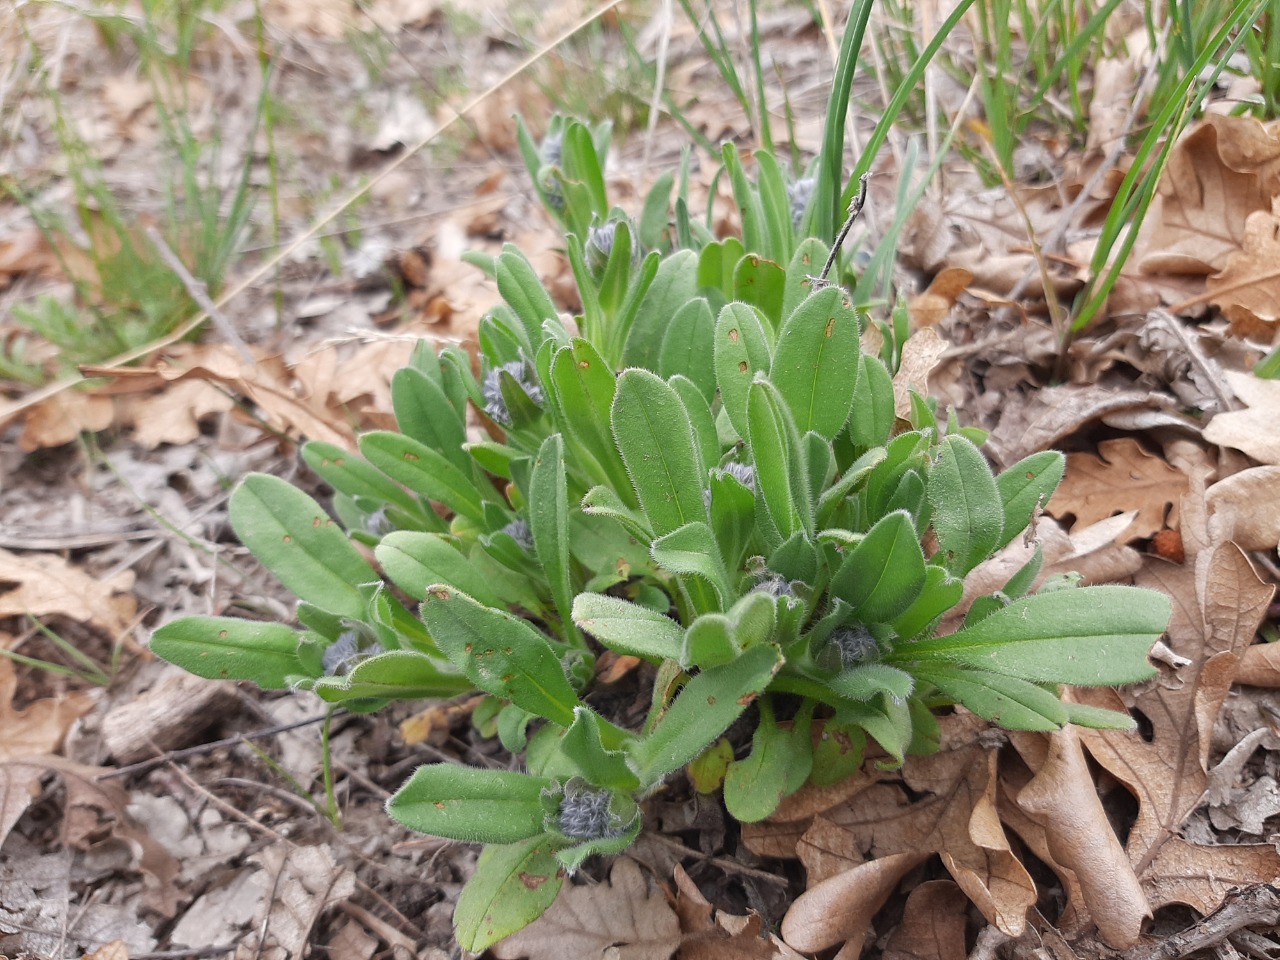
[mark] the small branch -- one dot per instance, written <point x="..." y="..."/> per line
<point x="144" y="765"/>
<point x="855" y="209"/>
<point x="200" y="294"/>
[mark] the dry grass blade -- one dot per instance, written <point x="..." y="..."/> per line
<point x="39" y="396"/>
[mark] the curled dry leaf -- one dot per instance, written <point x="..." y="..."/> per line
<point x="624" y="919"/>
<point x="1246" y="506"/>
<point x="1259" y="666"/>
<point x="1122" y="476"/>
<point x="1061" y="798"/>
<point x="920" y="355"/>
<point x="858" y="851"/>
<point x="1252" y="430"/>
<point x="1218" y="602"/>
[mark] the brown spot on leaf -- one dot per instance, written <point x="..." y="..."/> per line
<point x="742" y="366"/>
<point x="733" y="335"/>
<point x="222" y="634"/>
<point x="287" y="538"/>
<point x="410" y="456"/>
<point x="745" y="699"/>
<point x="533" y="880"/>
<point x="831" y="328"/>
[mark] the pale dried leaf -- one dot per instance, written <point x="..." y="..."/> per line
<point x="1062" y="799"/>
<point x="1247" y="507"/>
<point x="920" y="354"/>
<point x="1248" y="287"/>
<point x="63" y="417"/>
<point x="1259" y="666"/>
<point x="933" y="924"/>
<point x="1252" y="430"/>
<point x="1121" y="476"/>
<point x="930" y="308"/>
<point x="587" y="922"/>
<point x="173" y="415"/>
<point x="115" y="950"/>
<point x="1112" y="103"/>
<point x="43" y="585"/>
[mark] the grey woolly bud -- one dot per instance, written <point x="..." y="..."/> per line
<point x="494" y="404"/>
<point x="774" y="586"/>
<point x="518" y="530"/>
<point x="744" y="473"/>
<point x="585" y="815"/>
<point x="800" y="193"/>
<point x="552" y="149"/>
<point x="345" y="652"/>
<point x="855" y="644"/>
<point x="378" y="524"/>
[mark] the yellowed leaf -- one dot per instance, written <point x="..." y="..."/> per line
<point x="1122" y="476"/>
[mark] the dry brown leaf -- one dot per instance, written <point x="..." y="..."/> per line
<point x="859" y="850"/>
<point x="63" y="417"/>
<point x="933" y="924"/>
<point x="1048" y="415"/>
<point x="1252" y="430"/>
<point x="173" y="415"/>
<point x="26" y="251"/>
<point x="1259" y="666"/>
<point x="115" y="950"/>
<point x="1218" y="602"/>
<point x="930" y="308"/>
<point x="43" y="584"/>
<point x="1121" y="476"/>
<point x="624" y="919"/>
<point x="1247" y="289"/>
<point x="1219" y="173"/>
<point x="1201" y="875"/>
<point x="715" y="935"/>
<point x="39" y="727"/>
<point x="90" y="804"/>
<point x="301" y="882"/>
<point x="1247" y="506"/>
<point x="840" y="908"/>
<point x="1061" y="798"/>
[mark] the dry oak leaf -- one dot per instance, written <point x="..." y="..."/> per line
<point x="933" y="924"/>
<point x="1252" y="430"/>
<point x="857" y="852"/>
<point x="1201" y="875"/>
<point x="42" y="585"/>
<point x="1060" y="797"/>
<point x="1218" y="602"/>
<point x="39" y="727"/>
<point x="1219" y="173"/>
<point x="715" y="935"/>
<point x="173" y="415"/>
<point x="1247" y="289"/>
<point x="624" y="919"/>
<point x="1122" y="476"/>
<point x="920" y="354"/>
<point x="89" y="804"/>
<point x="1259" y="666"/>
<point x="930" y="308"/>
<point x="63" y="417"/>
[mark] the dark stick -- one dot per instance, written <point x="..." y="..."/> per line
<point x="143" y="765"/>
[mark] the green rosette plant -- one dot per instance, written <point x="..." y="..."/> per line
<point x="704" y="470"/>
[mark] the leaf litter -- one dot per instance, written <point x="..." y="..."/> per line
<point x="1029" y="831"/>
